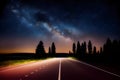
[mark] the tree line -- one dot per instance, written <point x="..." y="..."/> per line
<point x="110" y="48"/>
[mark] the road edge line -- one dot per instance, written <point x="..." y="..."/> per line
<point x="98" y="68"/>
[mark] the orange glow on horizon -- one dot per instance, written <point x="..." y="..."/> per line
<point x="61" y="46"/>
<point x="61" y="49"/>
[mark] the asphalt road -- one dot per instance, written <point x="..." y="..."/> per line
<point x="57" y="69"/>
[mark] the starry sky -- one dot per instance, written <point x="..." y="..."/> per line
<point x="23" y="23"/>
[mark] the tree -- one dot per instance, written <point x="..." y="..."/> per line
<point x="94" y="50"/>
<point x="53" y="48"/>
<point x="49" y="51"/>
<point x="98" y="52"/>
<point x="104" y="49"/>
<point x="101" y="50"/>
<point x="119" y="46"/>
<point x="84" y="48"/>
<point x="40" y="48"/>
<point x="78" y="47"/>
<point x="115" y="48"/>
<point x="89" y="47"/>
<point x="70" y="52"/>
<point x="107" y="48"/>
<point x="74" y="48"/>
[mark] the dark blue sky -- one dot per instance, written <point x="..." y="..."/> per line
<point x="23" y="23"/>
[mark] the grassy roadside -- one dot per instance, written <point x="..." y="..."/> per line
<point x="16" y="62"/>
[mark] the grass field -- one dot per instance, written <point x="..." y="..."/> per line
<point x="16" y="62"/>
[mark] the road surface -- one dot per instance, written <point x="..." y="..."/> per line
<point x="57" y="69"/>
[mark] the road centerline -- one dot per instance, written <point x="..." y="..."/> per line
<point x="59" y="73"/>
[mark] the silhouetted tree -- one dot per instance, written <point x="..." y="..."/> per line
<point x="89" y="47"/>
<point x="84" y="48"/>
<point x="98" y="52"/>
<point x="49" y="51"/>
<point x="53" y="48"/>
<point x="74" y="48"/>
<point x="119" y="46"/>
<point x="78" y="47"/>
<point x="111" y="50"/>
<point x="104" y="49"/>
<point x="115" y="48"/>
<point x="94" y="50"/>
<point x="70" y="52"/>
<point x="107" y="48"/>
<point x="101" y="50"/>
<point x="40" y="48"/>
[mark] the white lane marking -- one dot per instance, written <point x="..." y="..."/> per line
<point x="59" y="73"/>
<point x="26" y="75"/>
<point x="32" y="73"/>
<point x="98" y="68"/>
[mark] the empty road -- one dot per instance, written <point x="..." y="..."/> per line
<point x="57" y="69"/>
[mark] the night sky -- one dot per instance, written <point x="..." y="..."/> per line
<point x="23" y="23"/>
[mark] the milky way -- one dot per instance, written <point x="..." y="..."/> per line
<point x="34" y="18"/>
